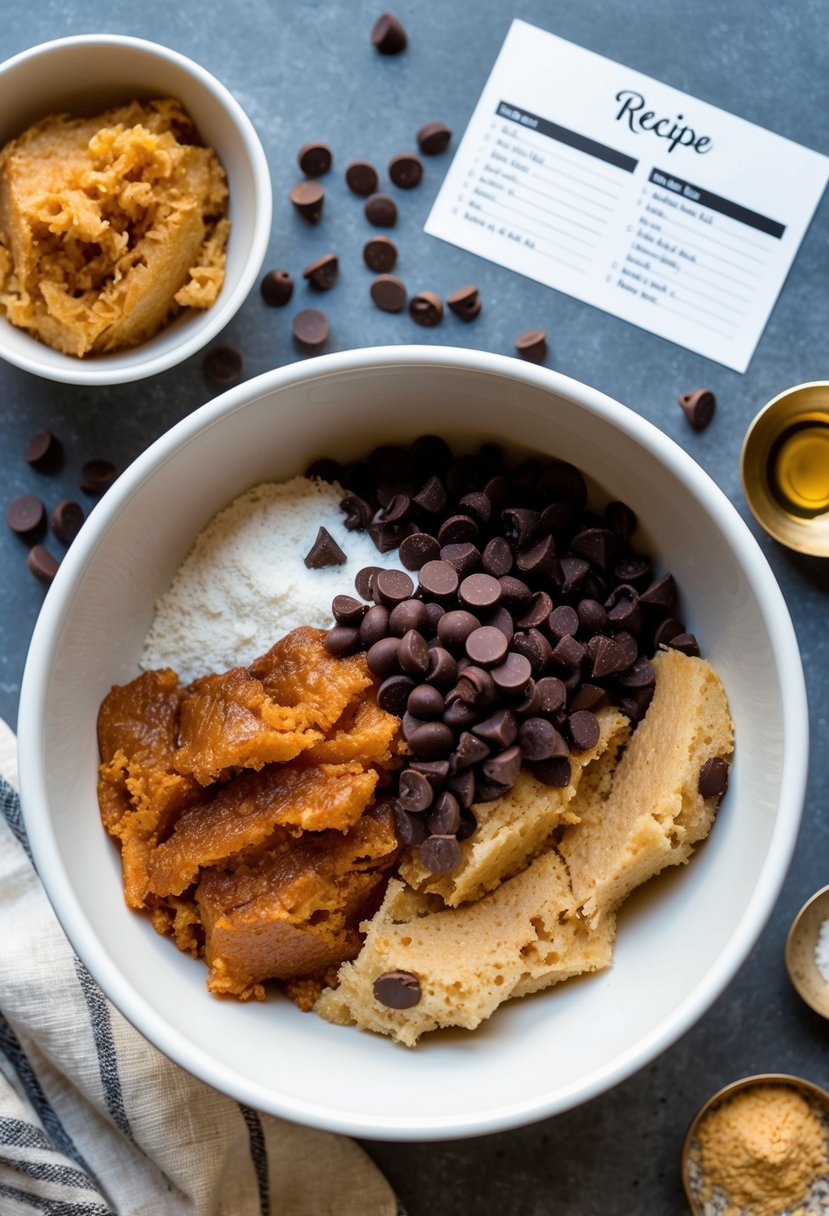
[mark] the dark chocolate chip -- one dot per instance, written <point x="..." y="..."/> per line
<point x="440" y="854"/>
<point x="426" y="308"/>
<point x="431" y="497"/>
<point x="277" y="287"/>
<point x="66" y="520"/>
<point x="223" y="364"/>
<point x="308" y="198"/>
<point x="25" y="515"/>
<point x="342" y="640"/>
<point x="588" y="696"/>
<point x="539" y="740"/>
<point x="393" y="586"/>
<point x="630" y="647"/>
<point x="436" y="772"/>
<point x="538" y="611"/>
<point x="426" y="702"/>
<point x="442" y="670"/>
<point x="445" y="816"/>
<point x="433" y="138"/>
<point x="379" y="253"/>
<point x="486" y="646"/>
<point x="323" y="272"/>
<point x="520" y="525"/>
<point x="374" y="625"/>
<point x="381" y="658"/>
<point x="686" y="643"/>
<point x="455" y="627"/>
<point x="592" y="616"/>
<point x="496" y="558"/>
<point x="405" y="170"/>
<point x="458" y="530"/>
<point x="698" y="407"/>
<point x="501" y="619"/>
<point x="414" y="653"/>
<point x="639" y="674"/>
<point x="513" y="674"/>
<point x="536" y="649"/>
<point x="583" y="727"/>
<point x="388" y="293"/>
<point x="713" y="778"/>
<point x="554" y="772"/>
<point x="388" y="35"/>
<point x="607" y="656"/>
<point x="438" y="579"/>
<point x="310" y="327"/>
<point x="397" y="989"/>
<point x="596" y="544"/>
<point x="470" y="750"/>
<point x="460" y="714"/>
<point x="478" y="505"/>
<point x="325" y="470"/>
<point x="417" y="549"/>
<point x="540" y="559"/>
<point x="662" y="594"/>
<point x="504" y="768"/>
<point x="465" y="302"/>
<point x="346" y="610"/>
<point x="476" y="686"/>
<point x="41" y="449"/>
<point x="573" y="570"/>
<point x="532" y="345"/>
<point x="431" y="740"/>
<point x="666" y="631"/>
<point x="393" y="694"/>
<point x="415" y="792"/>
<point x="564" y="621"/>
<point x="364" y="581"/>
<point x="381" y="210"/>
<point x="480" y="591"/>
<point x="462" y="785"/>
<point x="463" y="556"/>
<point x="97" y="476"/>
<point x="552" y="694"/>
<point x="41" y="564"/>
<point x="410" y="829"/>
<point x="500" y="729"/>
<point x="634" y="569"/>
<point x="568" y="653"/>
<point x="408" y="614"/>
<point x="314" y="159"/>
<point x="324" y="552"/>
<point x="361" y="178"/>
<point x="358" y="513"/>
<point x="489" y="791"/>
<point x="619" y="518"/>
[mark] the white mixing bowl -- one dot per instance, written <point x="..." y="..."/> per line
<point x="680" y="941"/>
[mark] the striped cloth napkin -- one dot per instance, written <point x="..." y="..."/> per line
<point x="95" y="1122"/>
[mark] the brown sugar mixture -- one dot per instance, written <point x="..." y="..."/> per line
<point x="245" y="808"/>
<point x="109" y="226"/>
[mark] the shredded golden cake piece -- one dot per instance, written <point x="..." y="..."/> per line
<point x="109" y="226"/>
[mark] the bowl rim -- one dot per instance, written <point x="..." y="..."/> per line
<point x="174" y="1043"/>
<point x="120" y="367"/>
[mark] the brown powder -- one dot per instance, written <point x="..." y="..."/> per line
<point x="763" y="1148"/>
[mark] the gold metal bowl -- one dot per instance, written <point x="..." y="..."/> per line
<point x="785" y="468"/>
<point x="801" y="962"/>
<point x="818" y="1098"/>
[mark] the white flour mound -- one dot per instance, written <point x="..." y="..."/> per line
<point x="244" y="584"/>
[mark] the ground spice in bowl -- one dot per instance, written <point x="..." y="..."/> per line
<point x="761" y="1150"/>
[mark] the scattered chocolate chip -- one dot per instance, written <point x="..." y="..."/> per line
<point x="409" y="614"/>
<point x="411" y="830"/>
<point x="374" y="625"/>
<point x="417" y="549"/>
<point x="380" y="253"/>
<point x="713" y="778"/>
<point x="41" y="448"/>
<point x="388" y="35"/>
<point x="308" y="198"/>
<point x="323" y="272"/>
<point x="97" y="476"/>
<point x="66" y="520"/>
<point x="455" y="627"/>
<point x="465" y="303"/>
<point x="361" y="178"/>
<point x="431" y="740"/>
<point x="554" y="772"/>
<point x="25" y="515"/>
<point x="223" y="365"/>
<point x="532" y="345"/>
<point x="433" y="138"/>
<point x="583" y="726"/>
<point x="480" y="591"/>
<point x="438" y="579"/>
<point x="444" y="819"/>
<point x="487" y="646"/>
<point x="393" y="694"/>
<point x="397" y="989"/>
<point x="426" y="702"/>
<point x="687" y="643"/>
<point x="41" y="564"/>
<point x="381" y="658"/>
<point x="388" y="293"/>
<point x="513" y="674"/>
<point x="440" y="854"/>
<point x="405" y="170"/>
<point x="393" y="586"/>
<point x="346" y="610"/>
<point x="413" y="655"/>
<point x="415" y="792"/>
<point x="277" y="287"/>
<point x="342" y="640"/>
<point x="496" y="558"/>
<point x="504" y="768"/>
<point x="310" y="328"/>
<point x="381" y="210"/>
<point x="431" y="497"/>
<point x="698" y="407"/>
<point x="426" y="308"/>
<point x="314" y="159"/>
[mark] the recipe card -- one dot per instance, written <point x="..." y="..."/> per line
<point x="630" y="195"/>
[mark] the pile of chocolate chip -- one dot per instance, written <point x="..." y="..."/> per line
<point x="519" y="613"/>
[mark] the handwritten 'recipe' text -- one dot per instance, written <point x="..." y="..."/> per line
<point x="673" y="129"/>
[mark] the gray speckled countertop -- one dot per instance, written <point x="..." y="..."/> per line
<point x="306" y="71"/>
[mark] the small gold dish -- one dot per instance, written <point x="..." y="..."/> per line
<point x="801" y="956"/>
<point x="692" y="1172"/>
<point x="785" y="468"/>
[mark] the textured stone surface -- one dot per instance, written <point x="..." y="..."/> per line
<point x="306" y="72"/>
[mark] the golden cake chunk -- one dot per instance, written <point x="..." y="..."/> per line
<point x="653" y="814"/>
<point x="109" y="226"/>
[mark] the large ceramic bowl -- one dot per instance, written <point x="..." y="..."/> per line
<point x="84" y="74"/>
<point x="679" y="942"/>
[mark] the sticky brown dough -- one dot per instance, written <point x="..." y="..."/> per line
<point x="109" y="226"/>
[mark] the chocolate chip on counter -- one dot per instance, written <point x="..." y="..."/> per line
<point x="97" y="476"/>
<point x="42" y="449"/>
<point x="532" y="345"/>
<point x="323" y="272"/>
<point x="361" y="178"/>
<point x="438" y="579"/>
<point x="417" y="549"/>
<point x="66" y="520"/>
<point x="698" y="407"/>
<point x="388" y="293"/>
<point x="405" y="170"/>
<point x="388" y="35"/>
<point x="465" y="302"/>
<point x="413" y="655"/>
<point x="397" y="989"/>
<point x="41" y="564"/>
<point x="583" y="727"/>
<point x="393" y="694"/>
<point x="346" y="610"/>
<point x="25" y="515"/>
<point x="426" y="308"/>
<point x="393" y="586"/>
<point x="713" y="778"/>
<point x="314" y="159"/>
<point x="310" y="328"/>
<point x="324" y="552"/>
<point x="223" y="364"/>
<point x="277" y="287"/>
<point x="440" y="854"/>
<point x="513" y="674"/>
<point x="380" y="253"/>
<point x="381" y="210"/>
<point x="433" y="138"/>
<point x="342" y="640"/>
<point x="415" y="792"/>
<point x="308" y="198"/>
